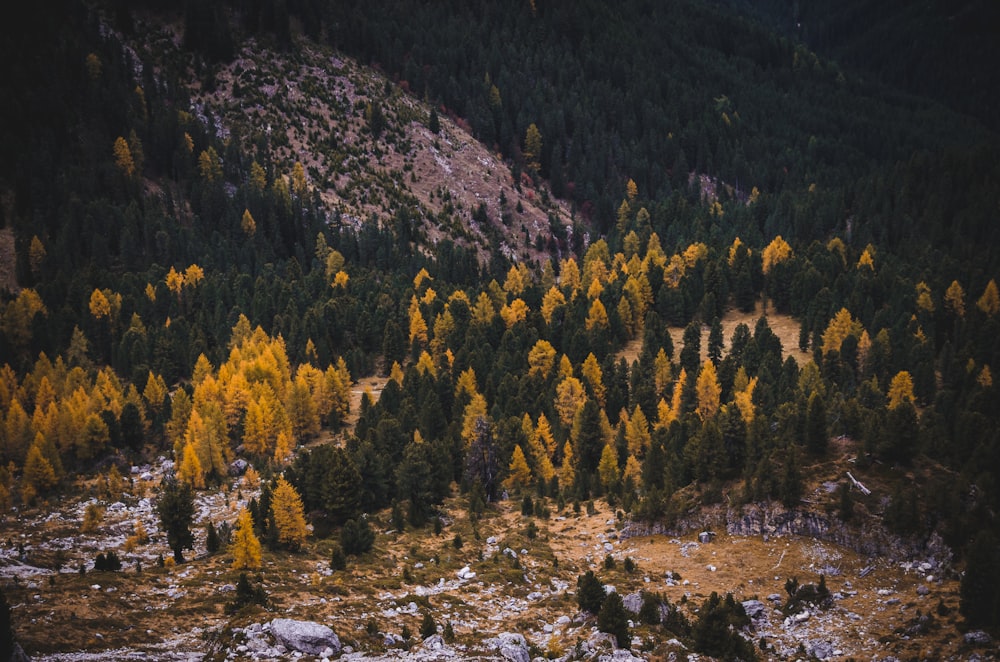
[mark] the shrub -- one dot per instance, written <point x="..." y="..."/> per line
<point x="427" y="626"/>
<point x="247" y="594"/>
<point x="338" y="560"/>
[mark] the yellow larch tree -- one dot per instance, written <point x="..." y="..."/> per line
<point x="519" y="473"/>
<point x="247" y="224"/>
<point x="418" y="326"/>
<point x="100" y="307"/>
<point x="900" y="390"/>
<point x="954" y="299"/>
<point x="123" y="157"/>
<point x="570" y="396"/>
<point x="38" y="471"/>
<point x="569" y="277"/>
<point x="743" y="397"/>
<point x="663" y="372"/>
<point x="543" y="433"/>
<point x="189" y="470"/>
<point x="567" y="470"/>
<point x="708" y="391"/>
<point x="607" y="467"/>
<point x="637" y="434"/>
<point x="541" y="359"/>
<point x="483" y="311"/>
<point x="867" y="259"/>
<point x="841" y="326"/>
<point x="466" y="383"/>
<point x="597" y="317"/>
<point x="245" y="546"/>
<point x="594" y="378"/>
<point x="551" y="302"/>
<point x="924" y="300"/>
<point x="989" y="303"/>
<point x="475" y="410"/>
<point x="425" y="364"/>
<point x="301" y="409"/>
<point x="289" y="515"/>
<point x="774" y="253"/>
<point x="514" y="312"/>
<point x="518" y="279"/>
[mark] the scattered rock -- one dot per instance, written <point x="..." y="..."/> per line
<point x="822" y="650"/>
<point x="238" y="467"/>
<point x="923" y="590"/>
<point x="512" y="646"/>
<point x="706" y="537"/>
<point x="305" y="636"/>
<point x="755" y="609"/>
<point x="977" y="638"/>
<point x="632" y="602"/>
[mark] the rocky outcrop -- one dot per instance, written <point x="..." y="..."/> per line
<point x="511" y="646"/>
<point x="769" y="519"/>
<point x="305" y="636"/>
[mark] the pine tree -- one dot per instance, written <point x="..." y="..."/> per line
<point x="590" y="593"/>
<point x="176" y="511"/>
<point x="356" y="537"/>
<point x="613" y="619"/>
<point x="245" y="546"/>
<point x="212" y="541"/>
<point x="289" y="515"/>
<point x="816" y="430"/>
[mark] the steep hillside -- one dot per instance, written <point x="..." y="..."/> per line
<point x="325" y="320"/>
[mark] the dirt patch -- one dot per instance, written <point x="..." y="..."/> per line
<point x="785" y="327"/>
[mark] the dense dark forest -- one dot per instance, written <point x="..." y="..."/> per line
<point x="716" y="166"/>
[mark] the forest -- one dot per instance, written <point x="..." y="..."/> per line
<point x="177" y="291"/>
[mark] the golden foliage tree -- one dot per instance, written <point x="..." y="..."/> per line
<point x="247" y="224"/>
<point x="607" y="467"/>
<point x="708" y="391"/>
<point x="597" y="317"/>
<point x="190" y="470"/>
<point x="533" y="147"/>
<point x="841" y="326"/>
<point x="289" y="515"/>
<point x="514" y="312"/>
<point x="519" y="473"/>
<point x="900" y="390"/>
<point x="774" y="253"/>
<point x="551" y="302"/>
<point x="570" y="396"/>
<point x="594" y="377"/>
<point x="954" y="299"/>
<point x="123" y="157"/>
<point x="245" y="546"/>
<point x="541" y="359"/>
<point x="989" y="303"/>
<point x="637" y="434"/>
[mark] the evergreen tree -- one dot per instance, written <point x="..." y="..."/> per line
<point x="613" y="619"/>
<point x="589" y="592"/>
<point x="980" y="587"/>
<point x="176" y="512"/>
<point x="212" y="541"/>
<point x="356" y="537"/>
<point x="817" y="437"/>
